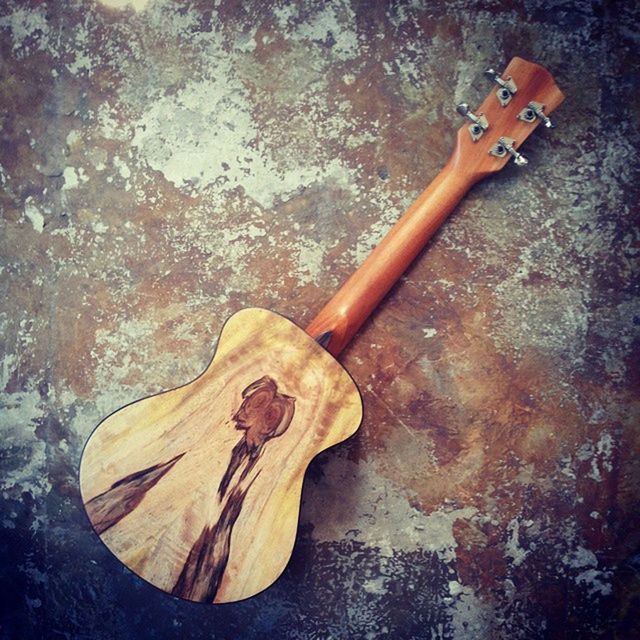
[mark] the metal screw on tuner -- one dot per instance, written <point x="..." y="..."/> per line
<point x="535" y="110"/>
<point x="507" y="88"/>
<point x="504" y="146"/>
<point x="480" y="122"/>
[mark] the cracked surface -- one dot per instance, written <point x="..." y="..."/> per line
<point x="164" y="164"/>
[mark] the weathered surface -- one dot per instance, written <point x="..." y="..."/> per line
<point x="165" y="166"/>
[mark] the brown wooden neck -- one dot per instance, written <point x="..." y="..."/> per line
<point x="509" y="121"/>
<point x="345" y="313"/>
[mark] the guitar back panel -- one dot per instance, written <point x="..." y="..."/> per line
<point x="197" y="489"/>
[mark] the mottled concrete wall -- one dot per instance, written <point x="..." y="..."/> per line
<point x="164" y="167"/>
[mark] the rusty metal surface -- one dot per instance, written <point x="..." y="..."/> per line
<point x="166" y="164"/>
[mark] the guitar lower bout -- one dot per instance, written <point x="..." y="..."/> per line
<point x="197" y="489"/>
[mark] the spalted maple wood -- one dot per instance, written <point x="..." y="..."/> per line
<point x="197" y="489"/>
<point x="470" y="161"/>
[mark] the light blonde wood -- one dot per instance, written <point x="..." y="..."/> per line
<point x="151" y="473"/>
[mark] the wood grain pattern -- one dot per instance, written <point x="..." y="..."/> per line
<point x="470" y="161"/>
<point x="197" y="489"/>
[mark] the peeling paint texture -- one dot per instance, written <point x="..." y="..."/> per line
<point x="165" y="163"/>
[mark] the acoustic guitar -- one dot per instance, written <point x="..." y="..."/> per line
<point x="197" y="489"/>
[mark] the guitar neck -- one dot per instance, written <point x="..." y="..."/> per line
<point x="345" y="313"/>
<point x="526" y="95"/>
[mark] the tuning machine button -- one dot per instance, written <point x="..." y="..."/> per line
<point x="479" y="123"/>
<point x="507" y="88"/>
<point x="504" y="146"/>
<point x="535" y="110"/>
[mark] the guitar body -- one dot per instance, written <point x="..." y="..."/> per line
<point x="197" y="489"/>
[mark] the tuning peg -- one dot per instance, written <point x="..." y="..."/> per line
<point x="535" y="110"/>
<point x="507" y="89"/>
<point x="504" y="146"/>
<point x="480" y="122"/>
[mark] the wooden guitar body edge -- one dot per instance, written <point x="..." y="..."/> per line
<point x="197" y="489"/>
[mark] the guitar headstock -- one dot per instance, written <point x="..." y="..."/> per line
<point x="523" y="97"/>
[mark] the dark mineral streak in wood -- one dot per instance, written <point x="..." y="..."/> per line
<point x="203" y="570"/>
<point x="264" y="414"/>
<point x="125" y="495"/>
